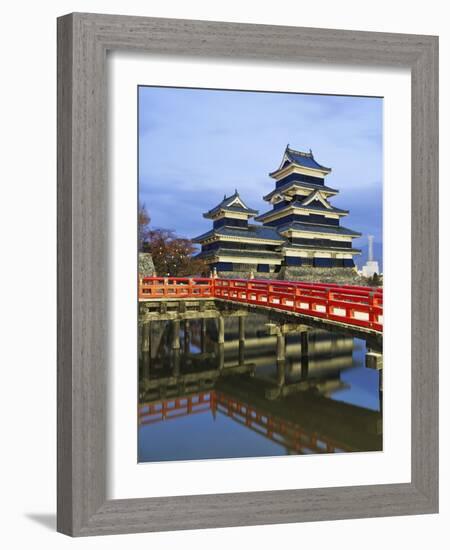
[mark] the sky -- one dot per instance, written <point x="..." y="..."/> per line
<point x="196" y="145"/>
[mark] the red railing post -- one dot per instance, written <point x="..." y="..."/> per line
<point x="329" y="307"/>
<point x="373" y="302"/>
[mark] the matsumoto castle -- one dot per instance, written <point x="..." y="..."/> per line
<point x="301" y="231"/>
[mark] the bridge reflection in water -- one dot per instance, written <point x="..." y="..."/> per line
<point x="229" y="384"/>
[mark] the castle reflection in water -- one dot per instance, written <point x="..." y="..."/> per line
<point x="239" y="385"/>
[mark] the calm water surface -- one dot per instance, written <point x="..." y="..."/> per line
<point x="264" y="391"/>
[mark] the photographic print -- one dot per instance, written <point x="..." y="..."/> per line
<point x="260" y="260"/>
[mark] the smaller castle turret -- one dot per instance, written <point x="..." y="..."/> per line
<point x="235" y="245"/>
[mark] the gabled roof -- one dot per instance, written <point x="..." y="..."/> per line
<point x="299" y="183"/>
<point x="253" y="232"/>
<point x="300" y="158"/>
<point x="233" y="203"/>
<point x="316" y="196"/>
<point x="316" y="228"/>
<point x="317" y="201"/>
<point x="313" y="205"/>
<point x="316" y="205"/>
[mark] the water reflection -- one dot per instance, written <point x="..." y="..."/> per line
<point x="239" y="385"/>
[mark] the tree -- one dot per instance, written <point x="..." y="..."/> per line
<point x="143" y="226"/>
<point x="173" y="255"/>
<point x="376" y="280"/>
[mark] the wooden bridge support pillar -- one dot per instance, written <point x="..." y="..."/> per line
<point x="187" y="336"/>
<point x="145" y="348"/>
<point x="175" y="334"/>
<point x="374" y="360"/>
<point x="241" y="328"/>
<point x="176" y="362"/>
<point x="241" y="352"/>
<point x="281" y="357"/>
<point x="281" y="346"/>
<point x="281" y="373"/>
<point x="203" y="335"/>
<point x="304" y="342"/>
<point x="221" y="330"/>
<point x="380" y="389"/>
<point x="241" y="341"/>
<point x="221" y="356"/>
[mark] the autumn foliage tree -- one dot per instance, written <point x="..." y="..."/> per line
<point x="172" y="255"/>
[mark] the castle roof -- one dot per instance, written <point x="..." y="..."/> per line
<point x="299" y="183"/>
<point x="315" y="205"/>
<point x="252" y="232"/>
<point x="317" y="228"/>
<point x="292" y="246"/>
<point x="300" y="158"/>
<point x="304" y="204"/>
<point x="263" y="254"/>
<point x="233" y="203"/>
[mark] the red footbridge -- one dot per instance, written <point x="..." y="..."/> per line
<point x="344" y="305"/>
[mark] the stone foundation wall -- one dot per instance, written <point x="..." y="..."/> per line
<point x="339" y="275"/>
<point x="246" y="275"/>
<point x="146" y="265"/>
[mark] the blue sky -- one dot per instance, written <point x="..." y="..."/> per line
<point x="195" y="145"/>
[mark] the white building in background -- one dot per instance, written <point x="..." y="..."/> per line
<point x="371" y="266"/>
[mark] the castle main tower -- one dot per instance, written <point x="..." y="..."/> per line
<point x="303" y="215"/>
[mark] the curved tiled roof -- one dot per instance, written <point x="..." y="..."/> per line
<point x="235" y="252"/>
<point x="304" y="159"/>
<point x="298" y="204"/>
<point x="292" y="246"/>
<point x="301" y="158"/>
<point x="227" y="205"/>
<point x="314" y="228"/>
<point x="299" y="183"/>
<point x="253" y="231"/>
<point x="320" y="206"/>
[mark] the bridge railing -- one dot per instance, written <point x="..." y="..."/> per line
<point x="360" y="306"/>
<point x="353" y="305"/>
<point x="175" y="287"/>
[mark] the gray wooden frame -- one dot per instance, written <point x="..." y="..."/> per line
<point x="83" y="41"/>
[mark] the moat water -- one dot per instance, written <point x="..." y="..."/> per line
<point x="268" y="390"/>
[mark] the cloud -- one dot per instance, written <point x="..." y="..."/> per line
<point x="196" y="145"/>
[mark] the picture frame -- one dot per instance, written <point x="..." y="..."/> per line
<point x="83" y="42"/>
